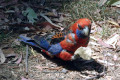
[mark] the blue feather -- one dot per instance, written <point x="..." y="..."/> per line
<point x="37" y="42"/>
<point x="26" y="40"/>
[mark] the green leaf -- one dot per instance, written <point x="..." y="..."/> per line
<point x="31" y="15"/>
<point x="116" y="3"/>
<point x="112" y="1"/>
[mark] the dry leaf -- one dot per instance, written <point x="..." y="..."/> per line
<point x="23" y="78"/>
<point x="61" y="19"/>
<point x="16" y="42"/>
<point x="100" y="41"/>
<point x="57" y="26"/>
<point x="105" y="62"/>
<point x="64" y="70"/>
<point x="33" y="52"/>
<point x="39" y="67"/>
<point x="8" y="50"/>
<point x="50" y="14"/>
<point x="115" y="57"/>
<point x="109" y="77"/>
<point x="113" y="41"/>
<point x="55" y="12"/>
<point x="2" y="57"/>
<point x="93" y="25"/>
<point x="10" y="2"/>
<point x="118" y="43"/>
<point x="47" y="25"/>
<point x="56" y="4"/>
<point x="118" y="6"/>
<point x="95" y="57"/>
<point x="94" y="43"/>
<point x="114" y="23"/>
<point x="19" y="60"/>
<point x="93" y="38"/>
<point x="10" y="55"/>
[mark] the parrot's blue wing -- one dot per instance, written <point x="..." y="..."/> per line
<point x="42" y="42"/>
<point x="27" y="40"/>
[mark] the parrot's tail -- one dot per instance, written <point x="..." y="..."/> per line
<point x="27" y="40"/>
<point x="38" y="42"/>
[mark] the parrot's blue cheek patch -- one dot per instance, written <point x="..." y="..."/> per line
<point x="55" y="49"/>
<point x="80" y="34"/>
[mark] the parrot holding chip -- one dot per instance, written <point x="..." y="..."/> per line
<point x="63" y="46"/>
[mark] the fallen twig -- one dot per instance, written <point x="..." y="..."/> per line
<point x="26" y="60"/>
<point x="107" y="63"/>
<point x="57" y="68"/>
<point x="96" y="76"/>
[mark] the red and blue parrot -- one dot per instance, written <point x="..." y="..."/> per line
<point x="65" y="48"/>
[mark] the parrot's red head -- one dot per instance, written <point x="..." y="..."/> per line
<point x="82" y="24"/>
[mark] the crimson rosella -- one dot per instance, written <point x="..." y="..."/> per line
<point x="64" y="49"/>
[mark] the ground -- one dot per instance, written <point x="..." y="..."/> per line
<point x="104" y="40"/>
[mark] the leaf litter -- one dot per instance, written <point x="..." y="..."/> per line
<point x="50" y="20"/>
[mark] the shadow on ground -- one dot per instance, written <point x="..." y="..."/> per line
<point x="78" y="65"/>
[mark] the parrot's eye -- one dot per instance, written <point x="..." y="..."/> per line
<point x="80" y="27"/>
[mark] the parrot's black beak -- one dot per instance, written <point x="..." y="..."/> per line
<point x="80" y="27"/>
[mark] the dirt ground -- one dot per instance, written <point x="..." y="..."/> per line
<point x="45" y="68"/>
<point x="42" y="67"/>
